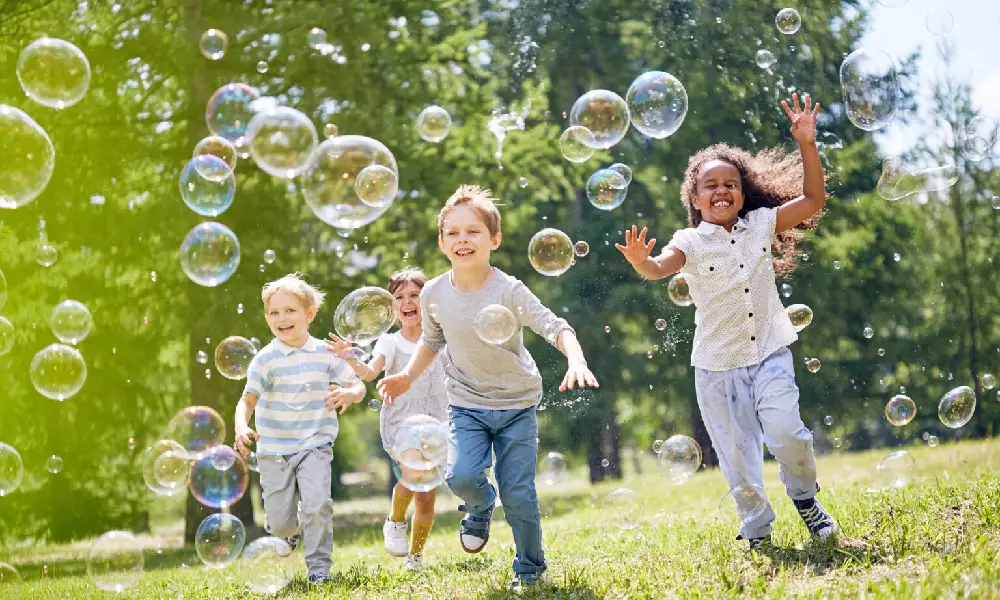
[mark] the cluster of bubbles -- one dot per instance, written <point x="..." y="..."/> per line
<point x="420" y="451"/>
<point x="553" y="468"/>
<point x="233" y="356"/>
<point x="800" y="315"/>
<point x="679" y="457"/>
<point x="495" y="324"/>
<point x="551" y="252"/>
<point x="364" y="314"/>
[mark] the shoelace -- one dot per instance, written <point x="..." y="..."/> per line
<point x="814" y="516"/>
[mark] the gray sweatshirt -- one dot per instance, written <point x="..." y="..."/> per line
<point x="479" y="374"/>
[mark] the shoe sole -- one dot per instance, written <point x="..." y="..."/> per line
<point x="470" y="550"/>
<point x="403" y="555"/>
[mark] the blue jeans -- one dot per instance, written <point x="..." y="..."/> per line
<point x="513" y="436"/>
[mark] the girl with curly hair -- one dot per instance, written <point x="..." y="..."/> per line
<point x="743" y="212"/>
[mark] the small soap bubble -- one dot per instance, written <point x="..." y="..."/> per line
<point x="581" y="248"/>
<point x="213" y="44"/>
<point x="836" y="265"/>
<point x="46" y="254"/>
<point x="54" y="464"/>
<point x="219" y="147"/>
<point x="660" y="324"/>
<point x="765" y="58"/>
<point x="813" y="365"/>
<point x="262" y="67"/>
<point x="800" y="315"/>
<point x="939" y="21"/>
<point x="625" y="172"/>
<point x="679" y="290"/>
<point x="786" y="290"/>
<point x="837" y="442"/>
<point x="233" y="356"/>
<point x="330" y="130"/>
<point x="604" y="113"/>
<point x="58" y="371"/>
<point x="605" y="462"/>
<point x="166" y="467"/>
<point x="577" y="144"/>
<point x="607" y="329"/>
<point x="375" y="404"/>
<point x="25" y="173"/>
<point x="551" y="252"/>
<point x="433" y="124"/>
<point x="881" y="351"/>
<point x="495" y="324"/>
<point x="239" y="308"/>
<point x="606" y="189"/>
<point x="900" y="410"/>
<point x="70" y="321"/>
<point x="788" y="21"/>
<point x="376" y="186"/>
<point x="115" y="562"/>
<point x="316" y="38"/>
<point x="522" y="182"/>
<point x="210" y="254"/>
<point x="553" y="468"/>
<point x="988" y="380"/>
<point x="869" y="333"/>
<point x="957" y="406"/>
<point x="6" y="335"/>
<point x="201" y="356"/>
<point x="932" y="441"/>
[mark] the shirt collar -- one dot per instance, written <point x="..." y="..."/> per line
<point x="309" y="346"/>
<point x="707" y="228"/>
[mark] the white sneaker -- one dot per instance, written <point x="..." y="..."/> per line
<point x="414" y="562"/>
<point x="395" y="538"/>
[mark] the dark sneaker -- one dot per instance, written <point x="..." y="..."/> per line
<point x="319" y="579"/>
<point x="757" y="544"/>
<point x="475" y="531"/>
<point x="819" y="522"/>
<point x="293" y="543"/>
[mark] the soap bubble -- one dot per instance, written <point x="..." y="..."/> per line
<point x="977" y="138"/>
<point x="8" y="574"/>
<point x="222" y="461"/>
<point x="280" y="141"/>
<point x="869" y="333"/>
<point x="252" y="463"/>
<point x="46" y="254"/>
<point x="28" y="156"/>
<point x="433" y="124"/>
<point x="623" y="505"/>
<point x="522" y="182"/>
<point x="213" y="44"/>
<point x="900" y="410"/>
<point x="376" y="186"/>
<point x="933" y="441"/>
<point x="957" y="406"/>
<point x="53" y="73"/>
<point x="495" y="324"/>
<point x="219" y="488"/>
<point x="207" y="185"/>
<point x="550" y="252"/>
<point x="6" y="335"/>
<point x="581" y="248"/>
<point x="196" y="429"/>
<point x="939" y="21"/>
<point x="606" y="189"/>
<point x="375" y="404"/>
<point x="679" y="457"/>
<point x="328" y="182"/>
<point x="679" y="290"/>
<point x="3" y="289"/>
<point x="330" y="130"/>
<point x="899" y="180"/>
<point x="268" y="565"/>
<point x="800" y="315"/>
<point x="219" y="147"/>
<point x="419" y="480"/>
<point x="577" y="144"/>
<point x="827" y="420"/>
<point x="421" y="443"/>
<point x="604" y="113"/>
<point x="765" y="59"/>
<point x="660" y="324"/>
<point x="166" y="468"/>
<point x="553" y="468"/>
<point x="58" y="371"/>
<point x="70" y="321"/>
<point x="229" y="112"/>
<point x="233" y="356"/>
<point x="11" y="469"/>
<point x="219" y="540"/>
<point x="624" y="170"/>
<point x="870" y="88"/>
<point x="316" y="38"/>
<point x="788" y="21"/>
<point x="896" y="470"/>
<point x="210" y="254"/>
<point x="658" y="104"/>
<point x="988" y="380"/>
<point x="364" y="314"/>
<point x="813" y="365"/>
<point x="748" y="500"/>
<point x="786" y="290"/>
<point x="54" y="464"/>
<point x="115" y="561"/>
<point x="262" y="67"/>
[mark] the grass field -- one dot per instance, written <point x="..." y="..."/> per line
<point x="938" y="537"/>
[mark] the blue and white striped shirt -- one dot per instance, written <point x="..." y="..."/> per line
<point x="290" y="384"/>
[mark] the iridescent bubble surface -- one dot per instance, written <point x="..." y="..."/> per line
<point x="679" y="290"/>
<point x="233" y="356"/>
<point x="658" y="104"/>
<point x="606" y="189"/>
<point x="219" y="488"/>
<point x="495" y="324"/>
<point x="53" y="72"/>
<point x="957" y="407"/>
<point x="550" y="252"/>
<point x="433" y="124"/>
<point x="870" y="88"/>
<point x="281" y="141"/>
<point x="364" y="314"/>
<point x="604" y="113"/>
<point x="210" y="254"/>
<point x="58" y="371"/>
<point x="328" y="181"/>
<point x="678" y="458"/>
<point x="219" y="540"/>
<point x="115" y="561"/>
<point x="577" y="144"/>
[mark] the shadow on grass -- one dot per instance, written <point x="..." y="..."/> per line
<point x="822" y="557"/>
<point x="573" y="584"/>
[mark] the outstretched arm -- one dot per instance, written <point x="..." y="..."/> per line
<point x="396" y="385"/>
<point x="813" y="195"/>
<point x="637" y="250"/>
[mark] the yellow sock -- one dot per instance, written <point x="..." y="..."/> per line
<point x="399" y="505"/>
<point x="421" y="530"/>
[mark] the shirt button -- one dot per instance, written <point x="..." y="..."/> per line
<point x="751" y="314"/>
<point x="741" y="266"/>
<point x="753" y="338"/>
<point x="711" y="268"/>
<point x="747" y="290"/>
<point x="734" y="241"/>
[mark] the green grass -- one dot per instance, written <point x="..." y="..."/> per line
<point x="938" y="537"/>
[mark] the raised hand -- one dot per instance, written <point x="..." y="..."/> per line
<point x="339" y="398"/>
<point x="636" y="249"/>
<point x="803" y="119"/>
<point x="342" y="347"/>
<point x="392" y="387"/>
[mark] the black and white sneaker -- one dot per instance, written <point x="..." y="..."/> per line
<point x="819" y="522"/>
<point x="757" y="544"/>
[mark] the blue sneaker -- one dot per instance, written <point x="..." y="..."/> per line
<point x="319" y="579"/>
<point x="475" y="531"/>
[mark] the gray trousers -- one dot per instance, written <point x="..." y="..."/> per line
<point x="296" y="491"/>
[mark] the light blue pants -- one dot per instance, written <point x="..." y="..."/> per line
<point x="513" y="436"/>
<point x="747" y="407"/>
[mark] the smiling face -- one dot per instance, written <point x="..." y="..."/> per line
<point x="408" y="304"/>
<point x="465" y="239"/>
<point x="289" y="318"/>
<point x="719" y="193"/>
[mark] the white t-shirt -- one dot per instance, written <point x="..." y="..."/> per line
<point x="739" y="318"/>
<point x="426" y="396"/>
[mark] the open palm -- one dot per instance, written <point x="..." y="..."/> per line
<point x="803" y="119"/>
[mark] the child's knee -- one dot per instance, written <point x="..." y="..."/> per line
<point x="463" y="479"/>
<point x="284" y="526"/>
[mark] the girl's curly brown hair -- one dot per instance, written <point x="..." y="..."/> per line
<point x="769" y="178"/>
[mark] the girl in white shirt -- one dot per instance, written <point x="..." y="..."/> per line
<point x="742" y="209"/>
<point x="426" y="397"/>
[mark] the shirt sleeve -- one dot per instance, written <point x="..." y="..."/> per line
<point x="433" y="335"/>
<point x="682" y="240"/>
<point x="386" y="348"/>
<point x="256" y="377"/>
<point x="536" y="316"/>
<point x="340" y="372"/>
<point x="766" y="218"/>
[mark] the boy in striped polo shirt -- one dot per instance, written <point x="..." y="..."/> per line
<point x="296" y="421"/>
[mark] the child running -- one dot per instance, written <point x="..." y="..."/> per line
<point x="742" y="209"/>
<point x="426" y="397"/>
<point x="492" y="388"/>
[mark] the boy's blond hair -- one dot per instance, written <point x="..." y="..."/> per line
<point x="296" y="286"/>
<point x="480" y="199"/>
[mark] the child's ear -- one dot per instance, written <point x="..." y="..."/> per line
<point x="310" y="314"/>
<point x="440" y="243"/>
<point x="495" y="240"/>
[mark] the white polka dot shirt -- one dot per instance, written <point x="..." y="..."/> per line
<point x="739" y="318"/>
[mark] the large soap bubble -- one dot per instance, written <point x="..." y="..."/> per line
<point x="376" y="186"/>
<point x="551" y="252"/>
<point x="679" y="290"/>
<point x="268" y="565"/>
<point x="229" y="111"/>
<point x="115" y="561"/>
<point x="658" y="104"/>
<point x="58" y="371"/>
<point x="207" y="185"/>
<point x="957" y="406"/>
<point x="604" y="113"/>
<point x="678" y="458"/>
<point x="433" y="124"/>
<point x="70" y="321"/>
<point x="900" y="410"/>
<point x="624" y="170"/>
<point x="606" y="189"/>
<point x="977" y="138"/>
<point x="281" y="140"/>
<point x="11" y="469"/>
<point x="895" y="470"/>
<point x="495" y="324"/>
<point x="421" y="443"/>
<point x="553" y="468"/>
<point x="899" y="180"/>
<point x="233" y="356"/>
<point x="28" y="158"/>
<point x="577" y="144"/>
<point x="624" y="507"/>
<point x="870" y="88"/>
<point x="219" y="540"/>
<point x="166" y="468"/>
<point x="196" y="429"/>
<point x="218" y="147"/>
<point x="8" y="574"/>
<point x="800" y="315"/>
<point x="6" y="335"/>
<point x="788" y="21"/>
<point x="748" y="500"/>
<point x="364" y="314"/>
<point x="218" y="487"/>
<point x="210" y="254"/>
<point x="53" y="72"/>
<point x="328" y="181"/>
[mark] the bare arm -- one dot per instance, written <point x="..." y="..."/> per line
<point x="813" y="196"/>
<point x="577" y="371"/>
<point x="367" y="372"/>
<point x="245" y="435"/>
<point x="637" y="253"/>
